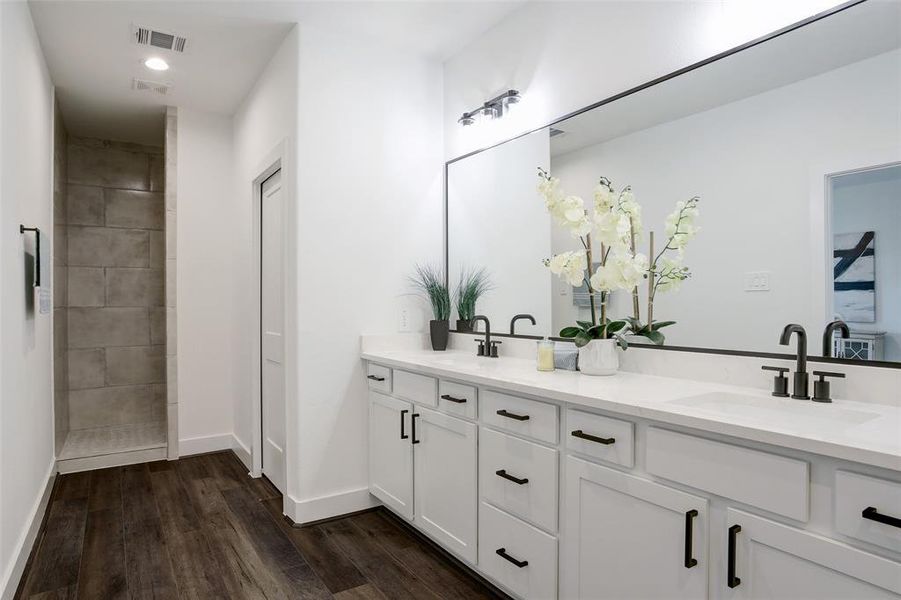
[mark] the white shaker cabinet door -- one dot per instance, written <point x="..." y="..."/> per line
<point x="626" y="537"/>
<point x="446" y="480"/>
<point x="391" y="452"/>
<point x="766" y="559"/>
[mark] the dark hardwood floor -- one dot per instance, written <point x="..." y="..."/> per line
<point x="200" y="527"/>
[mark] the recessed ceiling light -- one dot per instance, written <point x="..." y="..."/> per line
<point x="156" y="64"/>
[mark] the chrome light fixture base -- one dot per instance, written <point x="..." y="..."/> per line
<point x="495" y="108"/>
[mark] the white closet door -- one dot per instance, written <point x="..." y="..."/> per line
<point x="272" y="331"/>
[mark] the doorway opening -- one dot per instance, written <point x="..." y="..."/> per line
<point x="863" y="241"/>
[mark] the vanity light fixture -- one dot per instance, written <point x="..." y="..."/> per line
<point x="156" y="64"/>
<point x="495" y="108"/>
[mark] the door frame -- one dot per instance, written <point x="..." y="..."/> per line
<point x="277" y="159"/>
<point x="820" y="213"/>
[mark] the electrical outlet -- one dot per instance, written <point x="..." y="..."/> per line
<point x="757" y="281"/>
<point x="403" y="320"/>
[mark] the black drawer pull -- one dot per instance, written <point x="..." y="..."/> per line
<point x="403" y="435"/>
<point x="502" y="552"/>
<point x="503" y="412"/>
<point x="413" y="425"/>
<point x="872" y="514"/>
<point x="689" y="522"/>
<point x="503" y="473"/>
<point x="450" y="398"/>
<point x="375" y="378"/>
<point x="592" y="438"/>
<point x="731" y="580"/>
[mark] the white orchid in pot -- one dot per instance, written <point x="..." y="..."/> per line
<point x="614" y="225"/>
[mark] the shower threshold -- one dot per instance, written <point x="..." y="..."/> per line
<point x="116" y="445"/>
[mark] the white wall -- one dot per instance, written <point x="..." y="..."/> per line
<point x="266" y="118"/>
<point x="363" y="137"/>
<point x="566" y="55"/>
<point x="369" y="195"/>
<point x="751" y="163"/>
<point x="211" y="324"/>
<point x="26" y="196"/>
<point x="871" y="201"/>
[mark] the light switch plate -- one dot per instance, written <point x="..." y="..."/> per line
<point x="757" y="281"/>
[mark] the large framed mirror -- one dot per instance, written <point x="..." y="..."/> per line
<point x="793" y="145"/>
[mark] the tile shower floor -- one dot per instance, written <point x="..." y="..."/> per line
<point x="98" y="441"/>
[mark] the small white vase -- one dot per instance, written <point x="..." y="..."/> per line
<point x="599" y="357"/>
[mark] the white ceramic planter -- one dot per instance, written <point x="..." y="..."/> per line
<point x="599" y="357"/>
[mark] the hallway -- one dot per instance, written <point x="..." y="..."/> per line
<point x="200" y="527"/>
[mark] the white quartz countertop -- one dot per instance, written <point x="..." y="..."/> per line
<point x="857" y="431"/>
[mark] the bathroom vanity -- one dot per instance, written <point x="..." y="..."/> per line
<point x="562" y="485"/>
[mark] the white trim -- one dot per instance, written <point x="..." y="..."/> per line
<point x="278" y="158"/>
<point x="325" y="507"/>
<point x="26" y="541"/>
<point x="242" y="452"/>
<point x="204" y="444"/>
<point x="116" y="459"/>
<point x="820" y="217"/>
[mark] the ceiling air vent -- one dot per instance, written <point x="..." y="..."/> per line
<point x="143" y="85"/>
<point x="159" y="39"/>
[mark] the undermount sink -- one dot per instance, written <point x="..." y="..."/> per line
<point x="809" y="415"/>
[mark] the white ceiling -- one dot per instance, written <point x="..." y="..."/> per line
<point x="92" y="59"/>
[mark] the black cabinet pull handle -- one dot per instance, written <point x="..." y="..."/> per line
<point x="450" y="398"/>
<point x="502" y="552"/>
<point x="413" y="427"/>
<point x="872" y="514"/>
<point x="503" y="473"/>
<point x="592" y="438"/>
<point x="731" y="580"/>
<point x="689" y="522"/>
<point x="375" y="378"/>
<point x="504" y="413"/>
<point x="403" y="435"/>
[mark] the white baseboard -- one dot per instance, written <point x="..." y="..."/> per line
<point x="202" y="445"/>
<point x="243" y="452"/>
<point x="23" y="548"/>
<point x="325" y="507"/>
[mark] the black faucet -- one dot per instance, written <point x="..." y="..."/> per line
<point x="830" y="332"/>
<point x="800" y="388"/>
<point x="484" y="345"/>
<point x="517" y="318"/>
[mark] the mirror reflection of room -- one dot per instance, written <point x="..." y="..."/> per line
<point x="782" y="148"/>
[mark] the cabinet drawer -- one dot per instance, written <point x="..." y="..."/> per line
<point x="855" y="494"/>
<point x="379" y="378"/>
<point x="534" y="574"/>
<point x="416" y="388"/>
<point x="606" y="439"/>
<point x="525" y="417"/>
<point x="768" y="481"/>
<point x="504" y="462"/>
<point x="458" y="399"/>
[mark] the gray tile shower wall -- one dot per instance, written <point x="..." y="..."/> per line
<point x="115" y="297"/>
<point x="60" y="279"/>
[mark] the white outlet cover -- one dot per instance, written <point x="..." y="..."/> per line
<point x="403" y="320"/>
